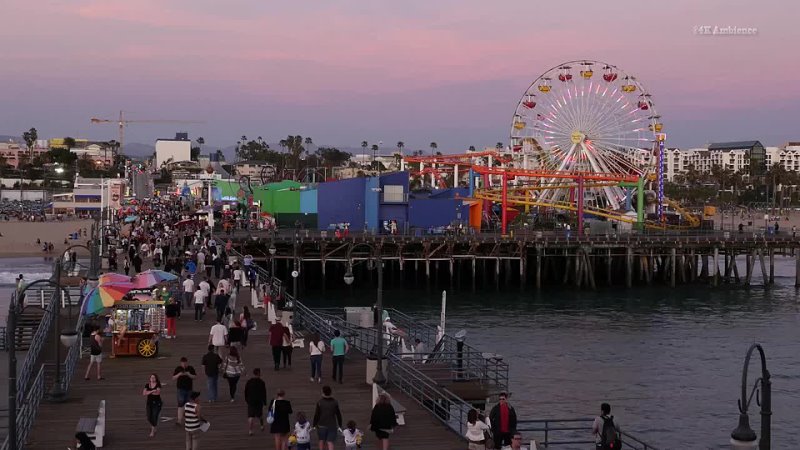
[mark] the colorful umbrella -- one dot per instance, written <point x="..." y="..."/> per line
<point x="130" y="219"/>
<point x="152" y="277"/>
<point x="104" y="296"/>
<point x="112" y="277"/>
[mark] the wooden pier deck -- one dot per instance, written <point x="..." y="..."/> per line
<point x="127" y="428"/>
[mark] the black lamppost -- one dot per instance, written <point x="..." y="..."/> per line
<point x="379" y="378"/>
<point x="272" y="251"/>
<point x="743" y="437"/>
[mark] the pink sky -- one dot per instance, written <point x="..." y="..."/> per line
<point x="449" y="71"/>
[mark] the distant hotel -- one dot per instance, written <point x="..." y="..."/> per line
<point x="750" y="158"/>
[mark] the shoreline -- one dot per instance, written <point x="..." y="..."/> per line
<point x="19" y="237"/>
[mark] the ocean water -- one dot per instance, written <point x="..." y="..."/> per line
<point x="31" y="268"/>
<point x="668" y="360"/>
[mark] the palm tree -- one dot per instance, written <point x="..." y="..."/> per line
<point x="499" y="146"/>
<point x="472" y="148"/>
<point x="364" y="145"/>
<point x="283" y="144"/>
<point x="30" y="138"/>
<point x="433" y="146"/>
<point x="400" y="146"/>
<point x="374" y="152"/>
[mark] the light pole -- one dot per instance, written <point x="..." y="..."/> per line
<point x="272" y="251"/>
<point x="379" y="378"/>
<point x="743" y="437"/>
<point x="295" y="272"/>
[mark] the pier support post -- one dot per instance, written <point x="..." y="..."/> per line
<point x="735" y="269"/>
<point x="522" y="266"/>
<point x="539" y="267"/>
<point x="751" y="261"/>
<point x="628" y="267"/>
<point x="452" y="272"/>
<point x="764" y="276"/>
<point x="796" y="269"/>
<point x="672" y="258"/>
<point x="609" y="265"/>
<point x="474" y="262"/>
<point x="715" y="275"/>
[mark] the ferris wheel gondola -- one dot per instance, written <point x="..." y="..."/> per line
<point x="586" y="124"/>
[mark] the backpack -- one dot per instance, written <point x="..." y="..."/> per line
<point x="609" y="436"/>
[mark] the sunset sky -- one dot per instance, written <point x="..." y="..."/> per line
<point x="344" y="71"/>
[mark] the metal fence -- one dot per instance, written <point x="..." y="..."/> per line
<point x="572" y="432"/>
<point x="37" y="342"/>
<point x="27" y="409"/>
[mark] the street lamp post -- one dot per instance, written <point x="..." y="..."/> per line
<point x="272" y="251"/>
<point x="379" y="378"/>
<point x="743" y="437"/>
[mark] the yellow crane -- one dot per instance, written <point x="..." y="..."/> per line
<point x="122" y="122"/>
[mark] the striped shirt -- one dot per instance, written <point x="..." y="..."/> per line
<point x="190" y="418"/>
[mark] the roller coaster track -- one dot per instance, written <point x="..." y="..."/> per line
<point x="514" y="197"/>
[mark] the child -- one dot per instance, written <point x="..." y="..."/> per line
<point x="352" y="436"/>
<point x="302" y="432"/>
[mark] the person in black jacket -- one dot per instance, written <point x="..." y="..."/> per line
<point x="503" y="418"/>
<point x="383" y="420"/>
<point x="255" y="395"/>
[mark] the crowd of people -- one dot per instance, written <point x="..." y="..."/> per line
<point x="210" y="280"/>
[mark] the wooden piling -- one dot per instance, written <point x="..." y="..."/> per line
<point x="539" y="267"/>
<point x="715" y="275"/>
<point x="771" y="266"/>
<point x="629" y="266"/>
<point x="672" y="258"/>
<point x="764" y="275"/>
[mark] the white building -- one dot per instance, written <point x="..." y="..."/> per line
<point x="735" y="156"/>
<point x="173" y="150"/>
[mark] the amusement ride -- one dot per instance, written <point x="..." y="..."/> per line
<point x="585" y="138"/>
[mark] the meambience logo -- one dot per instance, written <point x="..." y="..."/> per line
<point x="714" y="30"/>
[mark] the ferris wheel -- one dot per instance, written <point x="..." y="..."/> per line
<point x="587" y="116"/>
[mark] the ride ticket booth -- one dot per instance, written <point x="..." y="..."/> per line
<point x="138" y="324"/>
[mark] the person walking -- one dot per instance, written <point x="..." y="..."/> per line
<point x="127" y="266"/>
<point x="211" y="365"/>
<point x="352" y="436"/>
<point x="327" y="419"/>
<point x="286" y="349"/>
<point x="255" y="395"/>
<point x="234" y="367"/>
<point x="476" y="431"/>
<point x="339" y="348"/>
<point x="172" y="312"/>
<point x="188" y="291"/>
<point x="316" y="348"/>
<point x="302" y="432"/>
<point x="152" y="390"/>
<point x="194" y="422"/>
<point x="383" y="420"/>
<point x="281" y="410"/>
<point x="183" y="375"/>
<point x="218" y="336"/>
<point x="221" y="302"/>
<point x="605" y="430"/>
<point x="503" y="419"/>
<point x="246" y="319"/>
<point x="276" y="342"/>
<point x="137" y="263"/>
<point x="95" y="354"/>
<point x="199" y="303"/>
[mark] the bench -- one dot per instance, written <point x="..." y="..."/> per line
<point x="95" y="428"/>
<point x="399" y="410"/>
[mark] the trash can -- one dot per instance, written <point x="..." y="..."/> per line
<point x="372" y="367"/>
<point x="360" y="316"/>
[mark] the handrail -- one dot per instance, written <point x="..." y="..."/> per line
<point x="577" y="431"/>
<point x="27" y="410"/>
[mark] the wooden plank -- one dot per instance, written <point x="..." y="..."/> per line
<point x="127" y="428"/>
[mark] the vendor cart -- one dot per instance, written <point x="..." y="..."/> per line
<point x="137" y="327"/>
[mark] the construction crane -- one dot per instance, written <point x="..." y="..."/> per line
<point x="122" y="123"/>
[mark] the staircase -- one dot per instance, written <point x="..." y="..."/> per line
<point x="27" y="324"/>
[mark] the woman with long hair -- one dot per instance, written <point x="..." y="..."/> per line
<point x="316" y="348"/>
<point x="281" y="410"/>
<point x="247" y="322"/>
<point x="233" y="370"/>
<point x="152" y="390"/>
<point x="476" y="431"/>
<point x="383" y="420"/>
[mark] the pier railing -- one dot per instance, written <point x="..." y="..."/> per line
<point x="572" y="432"/>
<point x="27" y="410"/>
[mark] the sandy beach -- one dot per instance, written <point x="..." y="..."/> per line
<point x="19" y="238"/>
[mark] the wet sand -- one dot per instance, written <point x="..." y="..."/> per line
<point x="19" y="238"/>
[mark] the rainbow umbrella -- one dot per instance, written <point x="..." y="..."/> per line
<point x="152" y="277"/>
<point x="112" y="277"/>
<point x="104" y="296"/>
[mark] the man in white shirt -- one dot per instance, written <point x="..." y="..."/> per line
<point x="224" y="285"/>
<point x="237" y="278"/>
<point x="199" y="303"/>
<point x="205" y="287"/>
<point x="201" y="261"/>
<point x="218" y="337"/>
<point x="188" y="290"/>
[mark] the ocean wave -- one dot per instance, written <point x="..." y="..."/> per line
<point x="9" y="278"/>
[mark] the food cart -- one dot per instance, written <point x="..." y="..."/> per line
<point x="138" y="322"/>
